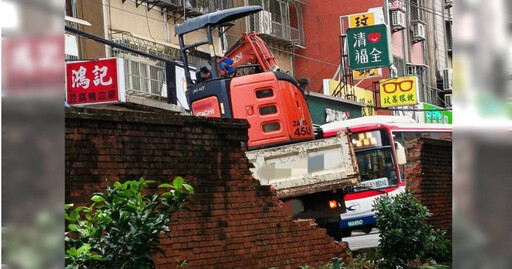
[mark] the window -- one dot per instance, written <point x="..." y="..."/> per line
<point x="144" y="76"/>
<point x="267" y="110"/>
<point x="376" y="168"/>
<point x="400" y="65"/>
<point x="416" y="8"/>
<point x="71" y="8"/>
<point x="449" y="40"/>
<point x="264" y="93"/>
<point x="269" y="127"/>
<point x="275" y="9"/>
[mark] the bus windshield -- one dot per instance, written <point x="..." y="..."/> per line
<point x="375" y="159"/>
<point x="376" y="168"/>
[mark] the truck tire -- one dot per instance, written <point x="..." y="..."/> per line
<point x="346" y="233"/>
<point x="367" y="230"/>
<point x="334" y="230"/>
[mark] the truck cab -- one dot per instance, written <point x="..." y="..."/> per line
<point x="270" y="100"/>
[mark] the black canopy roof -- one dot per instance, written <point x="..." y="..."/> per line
<point x="215" y="18"/>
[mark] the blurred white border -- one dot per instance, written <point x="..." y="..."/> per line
<point x="9" y="15"/>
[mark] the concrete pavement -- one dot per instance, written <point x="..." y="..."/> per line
<point x="360" y="240"/>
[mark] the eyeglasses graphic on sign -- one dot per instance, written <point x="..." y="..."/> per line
<point x="398" y="92"/>
<point x="393" y="86"/>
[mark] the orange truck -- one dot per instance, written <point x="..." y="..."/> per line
<point x="309" y="174"/>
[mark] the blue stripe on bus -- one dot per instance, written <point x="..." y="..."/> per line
<point x="358" y="221"/>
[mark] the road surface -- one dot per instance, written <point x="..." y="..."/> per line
<point x="360" y="240"/>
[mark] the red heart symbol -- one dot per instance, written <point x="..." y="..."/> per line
<point x="374" y="37"/>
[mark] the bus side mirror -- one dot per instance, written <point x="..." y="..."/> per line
<point x="400" y="154"/>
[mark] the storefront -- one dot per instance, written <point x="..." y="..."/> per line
<point x="433" y="114"/>
<point x="324" y="108"/>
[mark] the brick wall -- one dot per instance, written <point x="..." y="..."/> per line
<point x="429" y="176"/>
<point x="234" y="223"/>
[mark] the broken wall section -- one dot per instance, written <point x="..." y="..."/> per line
<point x="234" y="222"/>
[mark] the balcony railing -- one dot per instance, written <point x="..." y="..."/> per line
<point x="280" y="22"/>
<point x="143" y="76"/>
<point x="188" y="8"/>
<point x="167" y="51"/>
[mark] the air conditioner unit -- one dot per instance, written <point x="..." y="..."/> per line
<point x="448" y="3"/>
<point x="264" y="22"/>
<point x="447" y="79"/>
<point x="418" y="32"/>
<point x="448" y="100"/>
<point x="414" y="70"/>
<point x="397" y="20"/>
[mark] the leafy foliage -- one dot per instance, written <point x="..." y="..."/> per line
<point x="405" y="236"/>
<point x="122" y="228"/>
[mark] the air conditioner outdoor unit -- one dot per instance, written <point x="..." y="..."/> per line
<point x="413" y="70"/>
<point x="264" y="22"/>
<point x="397" y="20"/>
<point x="447" y="79"/>
<point x="448" y="100"/>
<point x="418" y="32"/>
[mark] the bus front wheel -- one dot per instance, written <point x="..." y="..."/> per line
<point x="367" y="230"/>
<point x="346" y="233"/>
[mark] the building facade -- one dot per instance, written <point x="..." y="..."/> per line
<point x="420" y="41"/>
<point x="148" y="26"/>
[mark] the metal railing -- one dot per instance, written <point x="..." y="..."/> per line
<point x="191" y="7"/>
<point x="143" y="76"/>
<point x="156" y="48"/>
<point x="280" y="20"/>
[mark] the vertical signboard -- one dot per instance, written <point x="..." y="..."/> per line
<point x="369" y="47"/>
<point x="360" y="20"/>
<point x="398" y="92"/>
<point x="93" y="82"/>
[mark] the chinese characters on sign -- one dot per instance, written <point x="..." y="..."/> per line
<point x="432" y="115"/>
<point x="368" y="47"/>
<point x="335" y="115"/>
<point x="32" y="63"/>
<point x="362" y="19"/>
<point x="94" y="81"/>
<point x="398" y="92"/>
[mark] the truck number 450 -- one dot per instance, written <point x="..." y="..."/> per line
<point x="302" y="131"/>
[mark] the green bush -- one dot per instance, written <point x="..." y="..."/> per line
<point x="405" y="237"/>
<point x="121" y="228"/>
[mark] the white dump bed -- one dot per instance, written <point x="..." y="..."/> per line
<point x="307" y="167"/>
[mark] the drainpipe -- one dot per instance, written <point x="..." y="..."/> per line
<point x="106" y="25"/>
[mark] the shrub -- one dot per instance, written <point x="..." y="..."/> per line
<point x="121" y="228"/>
<point x="405" y="236"/>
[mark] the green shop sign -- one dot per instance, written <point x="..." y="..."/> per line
<point x="436" y="116"/>
<point x="369" y="47"/>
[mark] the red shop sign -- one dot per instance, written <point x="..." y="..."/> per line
<point x="92" y="82"/>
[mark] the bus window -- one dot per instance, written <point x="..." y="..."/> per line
<point x="376" y="168"/>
